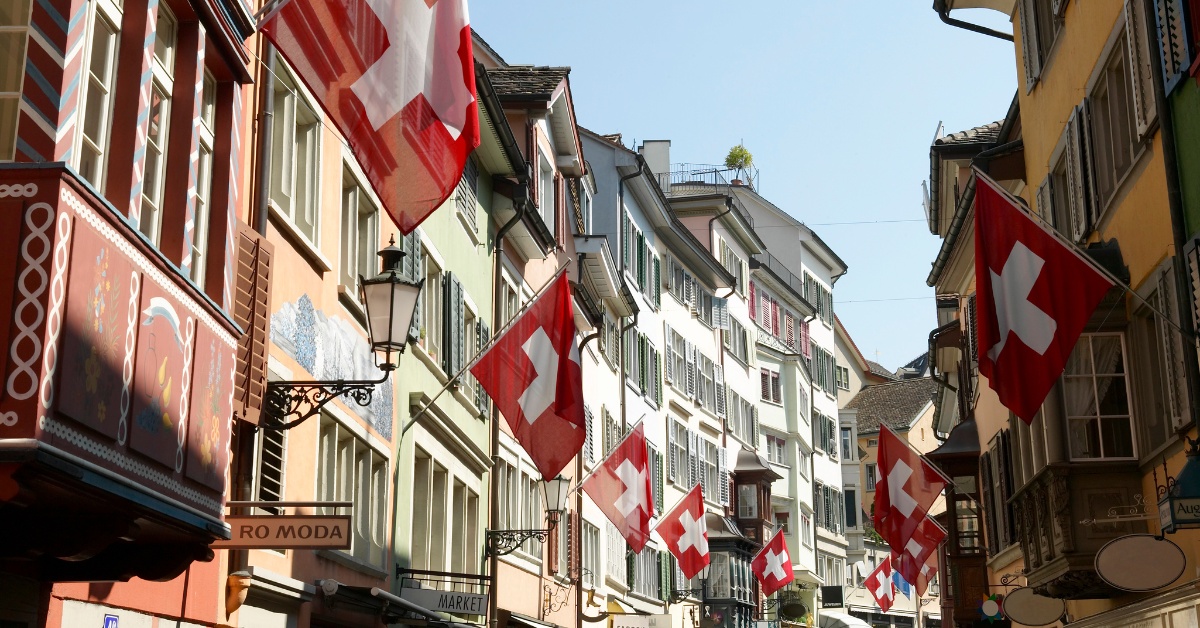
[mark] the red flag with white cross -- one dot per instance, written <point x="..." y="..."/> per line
<point x="532" y="374"/>
<point x="397" y="79"/>
<point x="773" y="565"/>
<point x="925" y="575"/>
<point x="907" y="487"/>
<point x="923" y="543"/>
<point x="686" y="534"/>
<point x="1034" y="295"/>
<point x="880" y="585"/>
<point x="621" y="487"/>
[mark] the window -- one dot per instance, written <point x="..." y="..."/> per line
<point x="872" y="442"/>
<point x="360" y="233"/>
<point x="743" y="418"/>
<point x="96" y="117"/>
<point x="591" y="553"/>
<point x="805" y="461"/>
<point x="296" y="156"/>
<point x="350" y="470"/>
<point x="615" y="566"/>
<point x="818" y="295"/>
<point x="14" y="22"/>
<point x="204" y="165"/>
<point x="712" y="476"/>
<point x="770" y="386"/>
<point x="1096" y="399"/>
<point x="830" y="508"/>
<point x="776" y="449"/>
<point x="647" y="576"/>
<point x="870" y="479"/>
<point x="806" y="530"/>
<point x="735" y="340"/>
<point x="781" y="522"/>
<point x="851" y="508"/>
<point x="846" y="444"/>
<point x="1114" y="140"/>
<point x="585" y="205"/>
<point x="1039" y="28"/>
<point x="678" y="462"/>
<point x="747" y="501"/>
<point x="432" y="308"/>
<point x="268" y="482"/>
<point x="162" y="70"/>
<point x="546" y="195"/>
<point x="843" y="378"/>
<point x="1157" y="351"/>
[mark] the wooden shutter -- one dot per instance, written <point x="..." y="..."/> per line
<point x="656" y="375"/>
<point x="660" y="487"/>
<point x="642" y="360"/>
<point x="1172" y="41"/>
<point x="1142" y="72"/>
<point x="789" y="330"/>
<point x="1058" y="7"/>
<point x="1192" y="253"/>
<point x="657" y="282"/>
<point x="1092" y="201"/>
<point x="691" y="369"/>
<point x="765" y="383"/>
<point x="483" y="336"/>
<point x="702" y="466"/>
<point x="754" y="424"/>
<point x="691" y="459"/>
<point x="1076" y="197"/>
<point x="641" y="261"/>
<point x="672" y="457"/>
<point x="1175" y="386"/>
<point x="589" y="441"/>
<point x="719" y="383"/>
<point x="805" y="341"/>
<point x="972" y="336"/>
<point x="1029" y="46"/>
<point x="414" y="268"/>
<point x="625" y="241"/>
<point x="775" y="318"/>
<point x="252" y="312"/>
<point x="1045" y="196"/>
<point x="750" y="301"/>
<point x="454" y="327"/>
<point x="723" y="475"/>
<point x="989" y="502"/>
<point x="664" y="577"/>
<point x="670" y="352"/>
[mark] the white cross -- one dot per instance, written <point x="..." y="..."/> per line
<point x="1014" y="312"/>
<point x="422" y="58"/>
<point x="774" y="568"/>
<point x="634" y="480"/>
<point x="693" y="534"/>
<point x="914" y="548"/>
<point x="540" y="393"/>
<point x="899" y="496"/>
<point x="885" y="584"/>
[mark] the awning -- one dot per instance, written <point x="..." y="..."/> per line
<point x="529" y="622"/>
<point x="615" y="605"/>
<point x="377" y="601"/>
<point x="833" y="619"/>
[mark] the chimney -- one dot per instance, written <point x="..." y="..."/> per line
<point x="657" y="154"/>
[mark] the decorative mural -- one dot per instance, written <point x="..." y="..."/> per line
<point x="162" y="378"/>
<point x="212" y="387"/>
<point x="329" y="349"/>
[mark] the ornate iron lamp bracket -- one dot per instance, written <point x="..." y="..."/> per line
<point x="504" y="542"/>
<point x="290" y="403"/>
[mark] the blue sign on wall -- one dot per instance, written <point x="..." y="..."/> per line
<point x="110" y="621"/>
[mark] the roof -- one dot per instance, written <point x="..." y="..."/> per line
<point x="876" y="368"/>
<point x="987" y="134"/>
<point x="895" y="403"/>
<point x="527" y="82"/>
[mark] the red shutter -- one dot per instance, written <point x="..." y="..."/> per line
<point x="789" y="330"/>
<point x="805" y="346"/>
<point x="251" y="311"/>
<point x="753" y="304"/>
<point x="766" y="384"/>
<point x="775" y="317"/>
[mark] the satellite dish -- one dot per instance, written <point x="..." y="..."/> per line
<point x="1140" y="562"/>
<point x="1024" y="606"/>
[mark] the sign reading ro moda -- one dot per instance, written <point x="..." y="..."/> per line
<point x="447" y="601"/>
<point x="287" y="532"/>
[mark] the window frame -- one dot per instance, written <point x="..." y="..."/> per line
<point x="294" y="139"/>
<point x="1130" y="416"/>
<point x="162" y="86"/>
<point x="112" y="15"/>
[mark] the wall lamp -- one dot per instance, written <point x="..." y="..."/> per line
<point x="555" y="493"/>
<point x="390" y="300"/>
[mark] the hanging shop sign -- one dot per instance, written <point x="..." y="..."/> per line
<point x="1024" y="606"/>
<point x="286" y="532"/>
<point x="832" y="597"/>
<point x="1178" y="512"/>
<point x="1140" y="562"/>
<point x="451" y="602"/>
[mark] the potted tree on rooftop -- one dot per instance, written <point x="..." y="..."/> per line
<point x="739" y="159"/>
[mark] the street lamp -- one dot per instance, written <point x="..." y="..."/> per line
<point x="390" y="300"/>
<point x="555" y="493"/>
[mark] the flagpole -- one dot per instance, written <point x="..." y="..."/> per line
<point x="268" y="11"/>
<point x="1080" y="252"/>
<point x="450" y="381"/>
<point x="920" y="455"/>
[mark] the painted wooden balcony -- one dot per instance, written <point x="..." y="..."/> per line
<point x="117" y="391"/>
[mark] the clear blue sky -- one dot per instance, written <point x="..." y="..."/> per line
<point x="837" y="101"/>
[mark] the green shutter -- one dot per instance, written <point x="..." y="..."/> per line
<point x="630" y="567"/>
<point x="657" y="282"/>
<point x="664" y="577"/>
<point x="643" y="371"/>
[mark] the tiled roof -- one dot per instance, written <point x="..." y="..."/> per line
<point x="986" y="134"/>
<point x="876" y="368"/>
<point x="526" y="81"/>
<point x="894" y="403"/>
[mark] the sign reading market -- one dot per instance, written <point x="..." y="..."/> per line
<point x="287" y="532"/>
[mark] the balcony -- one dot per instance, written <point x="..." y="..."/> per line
<point x="696" y="179"/>
<point x="116" y="406"/>
<point x="1060" y="550"/>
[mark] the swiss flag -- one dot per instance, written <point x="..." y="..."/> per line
<point x="880" y="585"/>
<point x="925" y="575"/>
<point x="532" y="375"/>
<point x="620" y="486"/>
<point x="397" y="78"/>
<point x="685" y="532"/>
<point x="773" y="565"/>
<point x="907" y="487"/>
<point x="1034" y="297"/>
<point x="909" y="560"/>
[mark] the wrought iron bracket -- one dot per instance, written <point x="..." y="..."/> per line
<point x="504" y="542"/>
<point x="679" y="595"/>
<point x="290" y="403"/>
<point x="1138" y="511"/>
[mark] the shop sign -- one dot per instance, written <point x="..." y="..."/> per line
<point x="451" y="602"/>
<point x="831" y="597"/>
<point x="287" y="532"/>
<point x="1178" y="512"/>
<point x="110" y="621"/>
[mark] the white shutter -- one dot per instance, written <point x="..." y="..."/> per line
<point x="719" y="371"/>
<point x="589" y="445"/>
<point x="1172" y="41"/>
<point x="691" y="369"/>
<point x="691" y="459"/>
<point x="754" y="424"/>
<point x="723" y="475"/>
<point x="672" y="457"/>
<point x="1092" y="201"/>
<point x="1142" y="72"/>
<point x="702" y="466"/>
<point x="720" y="313"/>
<point x="1045" y="196"/>
<point x="1172" y="348"/>
<point x="1076" y="199"/>
<point x="1029" y="46"/>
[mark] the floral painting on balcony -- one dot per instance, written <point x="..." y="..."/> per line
<point x="211" y="411"/>
<point x="97" y="335"/>
<point x="162" y="374"/>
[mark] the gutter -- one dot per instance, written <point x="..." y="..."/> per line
<point x="943" y="11"/>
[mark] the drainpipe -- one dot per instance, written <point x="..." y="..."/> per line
<point x="943" y="11"/>
<point x="621" y="246"/>
<point x="1166" y="125"/>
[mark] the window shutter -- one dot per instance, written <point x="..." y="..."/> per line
<point x="672" y="457"/>
<point x="1045" y="194"/>
<point x="689" y="292"/>
<point x="625" y="241"/>
<point x="1092" y="201"/>
<point x="642" y="359"/>
<point x="657" y="282"/>
<point x="750" y="301"/>
<point x="723" y="475"/>
<point x="447" y="338"/>
<point x="1076" y="198"/>
<point x="1192" y="251"/>
<point x="1029" y="46"/>
<point x="691" y="370"/>
<point x="252" y="312"/>
<point x="765" y="382"/>
<point x="460" y="326"/>
<point x="1142" y="78"/>
<point x="775" y="317"/>
<point x="589" y="442"/>
<point x="664" y="577"/>
<point x="670" y="350"/>
<point x="483" y="335"/>
<point x="630" y="568"/>
<point x="691" y="459"/>
<point x="754" y="424"/>
<point x="789" y="330"/>
<point x="720" y="313"/>
<point x="1172" y="41"/>
<point x="1058" y="7"/>
<point x="660" y="488"/>
<point x="719" y="371"/>
<point x="657" y="375"/>
<point x="641" y="261"/>
<point x="702" y="466"/>
<point x="1172" y="349"/>
<point x="972" y="338"/>
<point x="805" y="341"/>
